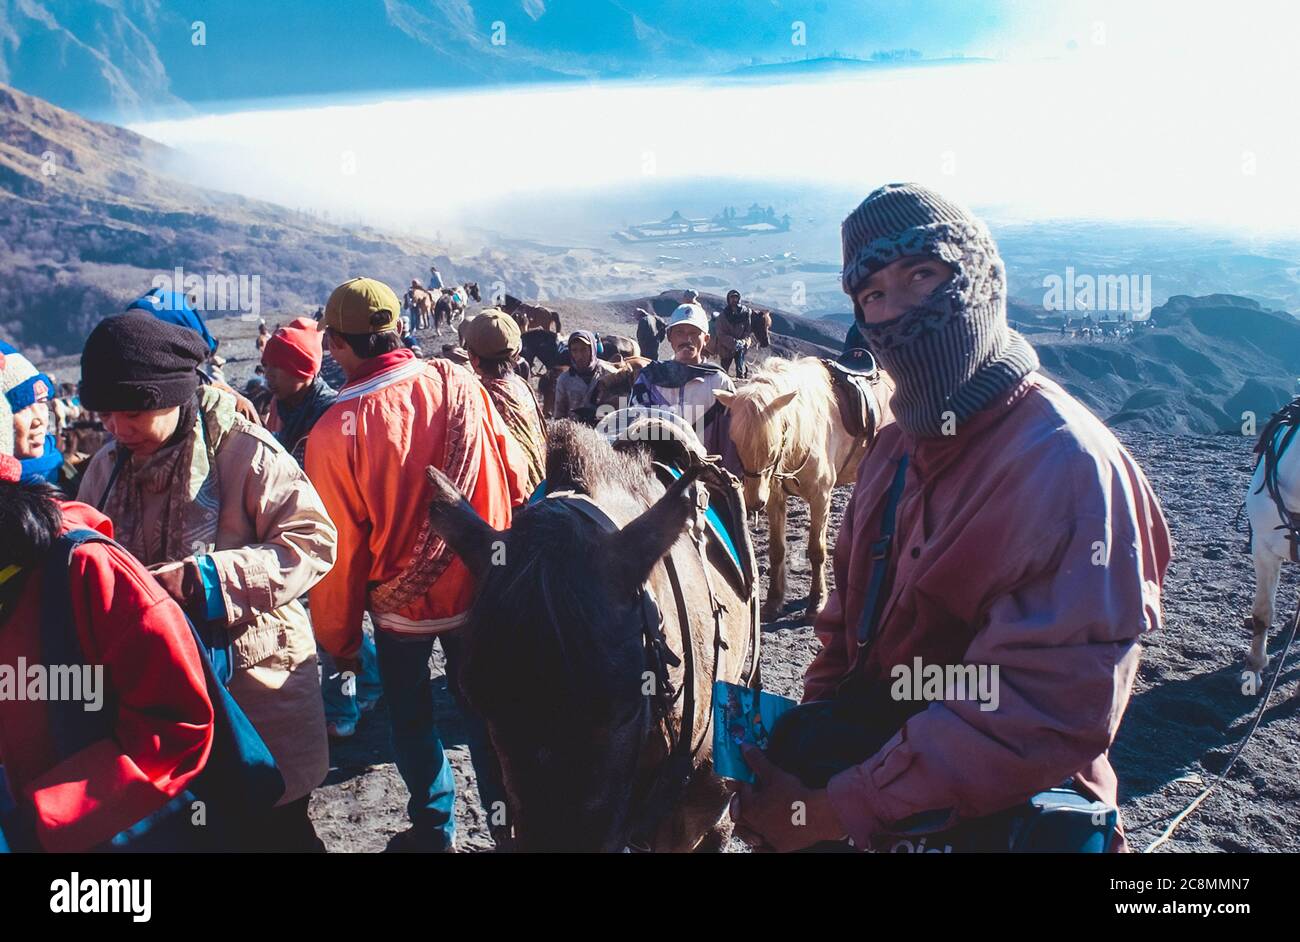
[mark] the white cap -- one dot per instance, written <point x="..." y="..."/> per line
<point x="691" y="314"/>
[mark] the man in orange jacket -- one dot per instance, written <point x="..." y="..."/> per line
<point x="396" y="415"/>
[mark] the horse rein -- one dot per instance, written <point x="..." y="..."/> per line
<point x="675" y="772"/>
<point x="1288" y="417"/>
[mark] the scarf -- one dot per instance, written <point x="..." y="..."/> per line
<point x="670" y="374"/>
<point x="522" y="415"/>
<point x="949" y="358"/>
<point x="295" y="423"/>
<point x="185" y="472"/>
<point x="47" y="467"/>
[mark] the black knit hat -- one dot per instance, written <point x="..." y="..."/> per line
<point x="134" y="362"/>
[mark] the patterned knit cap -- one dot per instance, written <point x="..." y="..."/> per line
<point x="953" y="354"/>
<point x="10" y="468"/>
<point x="20" y="381"/>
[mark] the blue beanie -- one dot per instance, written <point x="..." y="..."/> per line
<point x="174" y="308"/>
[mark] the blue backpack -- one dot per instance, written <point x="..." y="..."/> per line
<point x="240" y="779"/>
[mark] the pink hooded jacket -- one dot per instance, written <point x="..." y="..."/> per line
<point x="1031" y="540"/>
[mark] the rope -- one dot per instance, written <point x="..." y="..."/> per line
<point x="1259" y="714"/>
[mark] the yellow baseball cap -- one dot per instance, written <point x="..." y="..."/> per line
<point x="493" y="334"/>
<point x="353" y="305"/>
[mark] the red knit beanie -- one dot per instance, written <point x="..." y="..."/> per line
<point x="296" y="348"/>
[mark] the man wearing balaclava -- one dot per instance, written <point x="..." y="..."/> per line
<point x="999" y="561"/>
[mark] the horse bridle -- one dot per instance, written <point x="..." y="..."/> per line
<point x="1287" y="417"/>
<point x="783" y="476"/>
<point x="676" y="770"/>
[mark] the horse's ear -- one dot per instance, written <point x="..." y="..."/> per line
<point x="452" y="518"/>
<point x="783" y="400"/>
<point x="636" y="548"/>
<point x="724" y="397"/>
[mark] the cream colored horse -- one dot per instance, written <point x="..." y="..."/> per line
<point x="786" y="426"/>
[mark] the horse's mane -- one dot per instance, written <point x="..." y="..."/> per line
<point x="810" y="411"/>
<point x="544" y="607"/>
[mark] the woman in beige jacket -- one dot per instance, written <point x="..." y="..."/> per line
<point x="230" y="526"/>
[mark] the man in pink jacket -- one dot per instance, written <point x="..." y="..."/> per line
<point x="1025" y="564"/>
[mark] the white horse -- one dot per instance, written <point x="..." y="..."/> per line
<point x="787" y="429"/>
<point x="1276" y="481"/>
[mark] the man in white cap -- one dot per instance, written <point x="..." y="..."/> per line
<point x="686" y="383"/>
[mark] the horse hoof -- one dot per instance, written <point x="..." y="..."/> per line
<point x="771" y="612"/>
<point x="1256" y="665"/>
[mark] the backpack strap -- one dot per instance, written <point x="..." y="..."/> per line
<point x="72" y="727"/>
<point x="867" y="622"/>
<point x="123" y="457"/>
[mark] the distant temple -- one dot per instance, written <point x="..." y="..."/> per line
<point x="756" y="221"/>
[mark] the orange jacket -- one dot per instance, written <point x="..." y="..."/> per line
<point x="367" y="457"/>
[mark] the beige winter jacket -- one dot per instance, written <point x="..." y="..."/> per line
<point x="273" y="541"/>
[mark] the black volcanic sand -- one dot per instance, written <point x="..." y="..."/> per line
<point x="1186" y="715"/>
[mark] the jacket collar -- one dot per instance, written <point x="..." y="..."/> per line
<point x="385" y="361"/>
<point x="931" y="454"/>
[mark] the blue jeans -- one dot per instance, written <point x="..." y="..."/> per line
<point x="417" y="743"/>
<point x="343" y="707"/>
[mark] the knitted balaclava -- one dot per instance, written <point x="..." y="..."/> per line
<point x="953" y="353"/>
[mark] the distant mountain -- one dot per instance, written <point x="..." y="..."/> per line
<point x="126" y="59"/>
<point x="1205" y="363"/>
<point x="88" y="219"/>
<point x="1202" y="363"/>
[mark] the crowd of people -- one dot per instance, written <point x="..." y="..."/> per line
<point x="271" y="535"/>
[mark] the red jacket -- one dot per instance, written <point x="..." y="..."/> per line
<point x="1029" y="540"/>
<point x="152" y="675"/>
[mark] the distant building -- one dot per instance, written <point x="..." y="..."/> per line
<point x="756" y="221"/>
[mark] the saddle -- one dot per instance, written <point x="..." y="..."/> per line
<point x="675" y="448"/>
<point x="1277" y="436"/>
<point x="852" y="377"/>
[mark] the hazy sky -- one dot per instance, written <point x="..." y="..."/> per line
<point x="1171" y="111"/>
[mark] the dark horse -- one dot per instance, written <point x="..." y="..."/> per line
<point x="565" y="650"/>
<point x="545" y="346"/>
<point x="447" y="310"/>
<point x="531" y="316"/>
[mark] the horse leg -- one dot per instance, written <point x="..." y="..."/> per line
<point x="1268" y="567"/>
<point x="775" y="600"/>
<point x="818" y="516"/>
